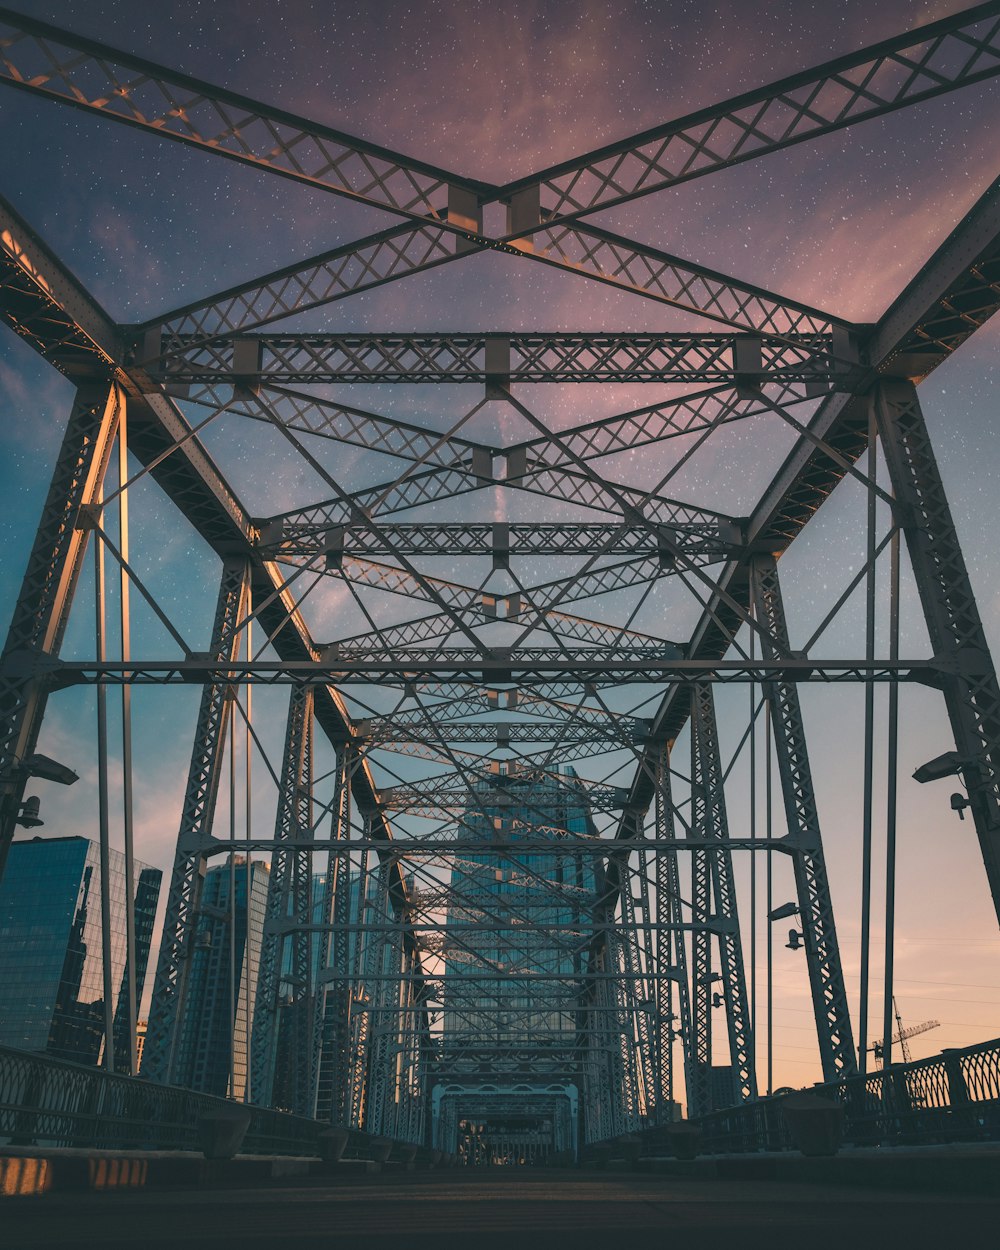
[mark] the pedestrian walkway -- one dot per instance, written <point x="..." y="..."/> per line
<point x="485" y="1210"/>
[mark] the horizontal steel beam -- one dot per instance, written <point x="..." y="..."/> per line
<point x="570" y="844"/>
<point x="379" y="731"/>
<point x="62" y="673"/>
<point x="504" y="358"/>
<point x="500" y="541"/>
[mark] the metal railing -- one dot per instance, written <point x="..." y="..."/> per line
<point x="950" y="1097"/>
<point x="47" y="1102"/>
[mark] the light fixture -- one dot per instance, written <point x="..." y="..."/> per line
<point x="28" y="816"/>
<point x="49" y="770"/>
<point x="946" y="765"/>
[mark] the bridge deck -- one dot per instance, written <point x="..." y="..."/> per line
<point x="522" y="1209"/>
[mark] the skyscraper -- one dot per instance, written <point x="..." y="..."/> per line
<point x="51" y="964"/>
<point x="213" y="1032"/>
<point x="517" y="932"/>
<point x="295" y="1041"/>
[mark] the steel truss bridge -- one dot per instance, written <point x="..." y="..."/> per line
<point x="458" y="927"/>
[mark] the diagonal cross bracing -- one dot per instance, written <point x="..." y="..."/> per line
<point x="575" y="961"/>
<point x="926" y="62"/>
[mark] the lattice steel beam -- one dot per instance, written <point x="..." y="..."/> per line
<point x="710" y="823"/>
<point x="335" y="274"/>
<point x="971" y="691"/>
<point x="41" y="611"/>
<point x="693" y="413"/>
<point x="819" y="933"/>
<point x="626" y="265"/>
<point x="161" y="1061"/>
<point x="604" y="357"/>
<point x="926" y="62"/>
<point x="313" y="414"/>
<point x="289" y="903"/>
<point x="962" y="271"/>
<point x="668" y="912"/>
<point x="530" y="664"/>
<point x="48" y="61"/>
<point x="503" y="541"/>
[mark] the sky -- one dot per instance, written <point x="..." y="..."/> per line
<point x="495" y="93"/>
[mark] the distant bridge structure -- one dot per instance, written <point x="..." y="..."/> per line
<point x="469" y="944"/>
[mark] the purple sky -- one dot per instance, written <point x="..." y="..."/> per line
<point x="841" y="222"/>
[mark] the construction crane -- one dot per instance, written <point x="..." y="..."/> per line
<point x="901" y="1036"/>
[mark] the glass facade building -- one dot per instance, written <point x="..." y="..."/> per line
<point x="519" y="924"/>
<point x="296" y="1004"/>
<point x="518" y="918"/>
<point x="213" y="1032"/>
<point x="51" y="964"/>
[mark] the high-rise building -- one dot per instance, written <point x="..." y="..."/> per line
<point x="51" y="962"/>
<point x="515" y="955"/>
<point x="296" y="1004"/>
<point x="213" y="1031"/>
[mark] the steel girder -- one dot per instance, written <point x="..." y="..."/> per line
<point x="161" y="1060"/>
<point x="826" y="977"/>
<point x="668" y="913"/>
<point x="46" y="595"/>
<point x="281" y="359"/>
<point x="281" y="1031"/>
<point x="335" y="274"/>
<point x="699" y="1075"/>
<point x="925" y="62"/>
<point x="500" y="540"/>
<point x="44" y="59"/>
<point x="335" y="1095"/>
<point x="710" y="824"/>
<point x="971" y="692"/>
<point x="558" y="671"/>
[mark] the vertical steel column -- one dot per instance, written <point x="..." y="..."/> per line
<point x="284" y="910"/>
<point x="103" y="804"/>
<point x="304" y="939"/>
<point x="331" y="1017"/>
<point x="625" y="1110"/>
<point x="637" y="966"/>
<point x="716" y="827"/>
<point x="968" y="678"/>
<point x="46" y="595"/>
<point x="383" y="963"/>
<point x="668" y="912"/>
<point x="826" y="976"/>
<point x="360" y="941"/>
<point x="128" y="816"/>
<point x="699" y="1088"/>
<point x="166" y="1015"/>
<point x="648" y="1003"/>
<point x="607" y="1088"/>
